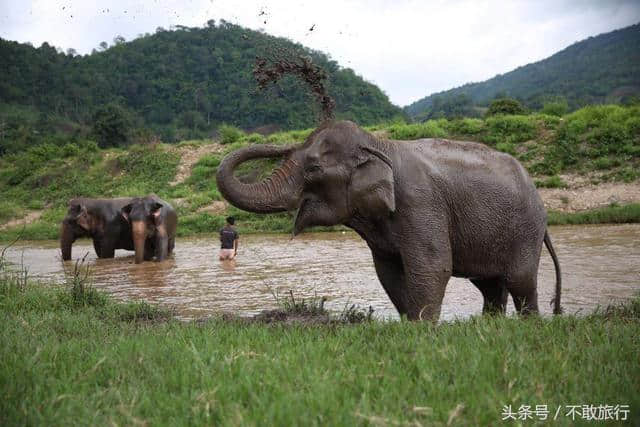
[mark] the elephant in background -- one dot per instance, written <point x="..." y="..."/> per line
<point x="99" y="219"/>
<point x="428" y="210"/>
<point x="153" y="224"/>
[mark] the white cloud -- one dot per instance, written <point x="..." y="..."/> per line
<point x="408" y="48"/>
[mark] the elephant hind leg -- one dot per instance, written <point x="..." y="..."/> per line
<point x="524" y="293"/>
<point x="105" y="248"/>
<point x="494" y="293"/>
<point x="171" y="245"/>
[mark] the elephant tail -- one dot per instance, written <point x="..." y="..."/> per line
<point x="557" y="309"/>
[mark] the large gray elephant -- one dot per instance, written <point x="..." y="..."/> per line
<point x="99" y="219"/>
<point x="428" y="209"/>
<point x="153" y="227"/>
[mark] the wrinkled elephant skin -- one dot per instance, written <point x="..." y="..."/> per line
<point x="428" y="210"/>
<point x="153" y="227"/>
<point x="99" y="219"/>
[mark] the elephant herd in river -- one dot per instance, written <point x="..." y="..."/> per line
<point x="428" y="209"/>
<point x="144" y="224"/>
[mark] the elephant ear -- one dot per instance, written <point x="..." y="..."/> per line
<point x="74" y="208"/>
<point x="371" y="189"/>
<point x="126" y="211"/>
<point x="156" y="210"/>
<point x="81" y="216"/>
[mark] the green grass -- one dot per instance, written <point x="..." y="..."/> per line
<point x="84" y="360"/>
<point x="551" y="182"/>
<point x="608" y="215"/>
<point x="429" y="129"/>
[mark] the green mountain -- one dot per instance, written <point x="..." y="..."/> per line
<point x="176" y="84"/>
<point x="600" y="69"/>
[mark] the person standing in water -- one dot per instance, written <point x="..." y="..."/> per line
<point x="228" y="240"/>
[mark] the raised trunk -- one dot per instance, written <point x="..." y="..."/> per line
<point x="138" y="229"/>
<point x="66" y="240"/>
<point x="276" y="193"/>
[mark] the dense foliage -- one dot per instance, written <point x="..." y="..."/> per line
<point x="600" y="69"/>
<point x="505" y="106"/>
<point x="175" y="84"/>
<point x="601" y="142"/>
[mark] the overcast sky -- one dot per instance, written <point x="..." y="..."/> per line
<point x="410" y="49"/>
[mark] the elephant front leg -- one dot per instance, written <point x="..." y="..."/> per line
<point x="161" y="246"/>
<point x="494" y="294"/>
<point x="150" y="248"/>
<point x="425" y="292"/>
<point x="391" y="274"/>
<point x="416" y="289"/>
<point x="428" y="268"/>
<point x="97" y="245"/>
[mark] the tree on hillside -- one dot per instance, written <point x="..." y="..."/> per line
<point x="505" y="106"/>
<point x="112" y="125"/>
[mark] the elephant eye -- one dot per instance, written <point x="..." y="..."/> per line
<point x="328" y="150"/>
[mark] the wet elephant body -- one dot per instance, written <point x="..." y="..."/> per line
<point x="99" y="219"/>
<point x="153" y="224"/>
<point x="428" y="210"/>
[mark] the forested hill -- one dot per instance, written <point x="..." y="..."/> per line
<point x="605" y="68"/>
<point x="180" y="82"/>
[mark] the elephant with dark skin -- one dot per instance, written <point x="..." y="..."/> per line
<point x="99" y="219"/>
<point x="153" y="227"/>
<point x="428" y="210"/>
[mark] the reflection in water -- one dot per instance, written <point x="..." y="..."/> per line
<point x="600" y="265"/>
<point x="228" y="264"/>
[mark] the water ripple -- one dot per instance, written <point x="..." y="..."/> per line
<point x="600" y="265"/>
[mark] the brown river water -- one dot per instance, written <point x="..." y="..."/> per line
<point x="600" y="266"/>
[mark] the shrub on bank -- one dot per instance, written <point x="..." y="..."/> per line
<point x="428" y="129"/>
<point x="509" y="129"/>
<point x="596" y="131"/>
<point x="229" y="134"/>
<point x="465" y="127"/>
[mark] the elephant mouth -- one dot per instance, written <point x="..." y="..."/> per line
<point x="312" y="172"/>
<point x="312" y="167"/>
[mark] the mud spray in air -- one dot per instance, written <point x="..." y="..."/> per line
<point x="268" y="70"/>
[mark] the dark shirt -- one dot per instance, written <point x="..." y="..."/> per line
<point x="227" y="236"/>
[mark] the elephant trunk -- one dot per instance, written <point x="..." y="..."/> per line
<point x="277" y="193"/>
<point x="66" y="240"/>
<point x="138" y="231"/>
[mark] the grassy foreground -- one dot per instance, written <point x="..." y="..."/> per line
<point x="72" y="356"/>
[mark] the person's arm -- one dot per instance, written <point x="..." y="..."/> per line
<point x="235" y="247"/>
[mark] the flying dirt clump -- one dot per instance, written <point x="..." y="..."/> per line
<point x="271" y="70"/>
